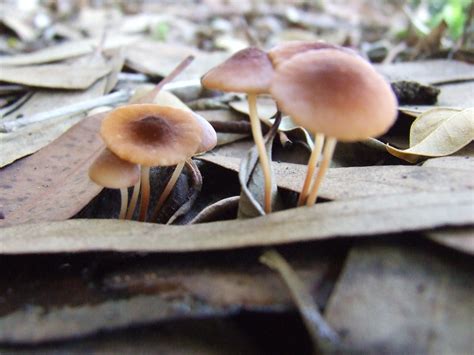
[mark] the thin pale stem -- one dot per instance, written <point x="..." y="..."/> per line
<point x="145" y="190"/>
<point x="167" y="190"/>
<point x="133" y="200"/>
<point x="313" y="160"/>
<point x="262" y="153"/>
<point x="123" y="202"/>
<point x="326" y="161"/>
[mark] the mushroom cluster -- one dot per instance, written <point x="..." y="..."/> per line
<point x="329" y="90"/>
<point x="141" y="136"/>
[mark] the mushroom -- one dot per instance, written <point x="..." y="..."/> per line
<point x="208" y="141"/>
<point x="337" y="94"/>
<point x="248" y="71"/>
<point x="151" y="135"/>
<point x="111" y="172"/>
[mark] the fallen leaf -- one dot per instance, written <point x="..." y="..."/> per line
<point x="52" y="184"/>
<point x="392" y="297"/>
<point x="436" y="71"/>
<point x="351" y="182"/>
<point x="66" y="50"/>
<point x="370" y="216"/>
<point x="123" y="291"/>
<point x="266" y="107"/>
<point x="56" y="76"/>
<point x="459" y="239"/>
<point x="437" y="135"/>
<point x="218" y="210"/>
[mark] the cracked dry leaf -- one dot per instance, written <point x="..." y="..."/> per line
<point x="368" y="216"/>
<point x="437" y="133"/>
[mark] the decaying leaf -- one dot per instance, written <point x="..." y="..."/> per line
<point x="217" y="210"/>
<point x="404" y="298"/>
<point x="52" y="184"/>
<point x="437" y="71"/>
<point x="57" y="76"/>
<point x="438" y="132"/>
<point x="369" y="216"/>
<point x="351" y="182"/>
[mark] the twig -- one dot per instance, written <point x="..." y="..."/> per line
<point x="111" y="99"/>
<point x="324" y="338"/>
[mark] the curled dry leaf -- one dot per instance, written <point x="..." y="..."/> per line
<point x="437" y="133"/>
<point x="215" y="211"/>
<point x="370" y="216"/>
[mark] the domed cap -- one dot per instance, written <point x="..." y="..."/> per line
<point x="110" y="171"/>
<point x="284" y="51"/>
<point x="151" y="135"/>
<point x="248" y="70"/>
<point x="208" y="136"/>
<point x="332" y="92"/>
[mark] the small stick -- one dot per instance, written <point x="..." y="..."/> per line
<point x="111" y="99"/>
<point x="327" y="156"/>
<point x="313" y="160"/>
<point x="148" y="98"/>
<point x="167" y="190"/>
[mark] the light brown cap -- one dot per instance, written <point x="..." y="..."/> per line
<point x="248" y="71"/>
<point x="335" y="93"/>
<point x="208" y="137"/>
<point x="108" y="170"/>
<point x="151" y="135"/>
<point x="286" y="50"/>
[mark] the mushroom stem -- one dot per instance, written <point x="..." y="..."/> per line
<point x="327" y="156"/>
<point x="167" y="190"/>
<point x="133" y="200"/>
<point x="123" y="202"/>
<point x="313" y="160"/>
<point x="264" y="161"/>
<point x="145" y="190"/>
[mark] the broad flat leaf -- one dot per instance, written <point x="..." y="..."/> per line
<point x="428" y="122"/>
<point x="123" y="291"/>
<point x="66" y="50"/>
<point x="159" y="59"/>
<point x="343" y="183"/>
<point x="435" y="71"/>
<point x="31" y="138"/>
<point x="55" y="76"/>
<point x="266" y="107"/>
<point x="459" y="239"/>
<point x="370" y="216"/>
<point x="445" y="136"/>
<point x="396" y="299"/>
<point x="52" y="184"/>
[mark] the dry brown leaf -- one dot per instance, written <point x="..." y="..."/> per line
<point x="432" y="72"/>
<point x="56" y="76"/>
<point x="397" y="299"/>
<point x="217" y="210"/>
<point x="266" y="107"/>
<point x="370" y="216"/>
<point x="343" y="183"/>
<point x="65" y="50"/>
<point x="438" y="132"/>
<point x="52" y="184"/>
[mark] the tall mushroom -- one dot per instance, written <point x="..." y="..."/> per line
<point x="248" y="71"/>
<point x="110" y="171"/>
<point x="151" y="135"/>
<point x="335" y="93"/>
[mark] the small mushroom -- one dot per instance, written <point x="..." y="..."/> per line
<point x="208" y="141"/>
<point x="111" y="172"/>
<point x="151" y="135"/>
<point x="337" y="94"/>
<point x="248" y="71"/>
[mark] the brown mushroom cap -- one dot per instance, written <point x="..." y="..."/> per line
<point x="249" y="70"/>
<point x="335" y="93"/>
<point x="284" y="51"/>
<point x="108" y="170"/>
<point x="209" y="136"/>
<point x="151" y="135"/>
